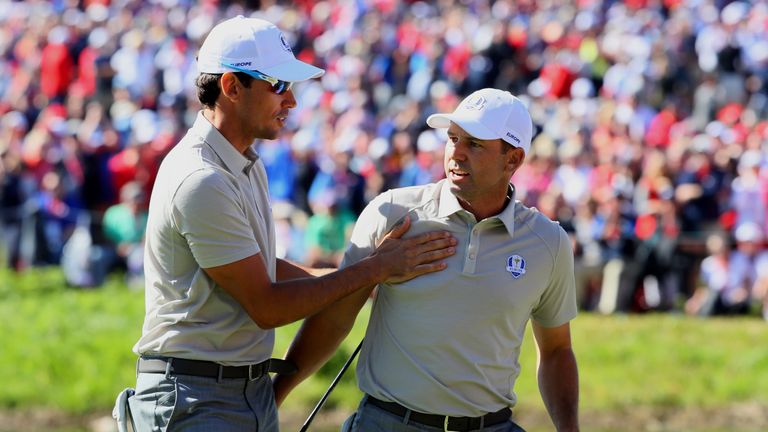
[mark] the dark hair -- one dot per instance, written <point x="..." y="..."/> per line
<point x="208" y="89"/>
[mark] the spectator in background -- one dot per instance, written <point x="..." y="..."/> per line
<point x="623" y="80"/>
<point x="54" y="220"/>
<point x="327" y="231"/>
<point x="748" y="192"/>
<point x="14" y="192"/>
<point x="713" y="276"/>
<point x="730" y="276"/>
<point x="124" y="225"/>
<point x="698" y="187"/>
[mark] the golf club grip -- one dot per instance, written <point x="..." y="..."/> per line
<point x="320" y="403"/>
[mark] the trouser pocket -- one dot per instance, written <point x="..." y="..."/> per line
<point x="153" y="405"/>
<point x="348" y="423"/>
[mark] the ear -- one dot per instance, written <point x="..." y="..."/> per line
<point x="514" y="158"/>
<point x="230" y="86"/>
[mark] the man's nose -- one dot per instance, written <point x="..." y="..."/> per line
<point x="290" y="99"/>
<point x="457" y="151"/>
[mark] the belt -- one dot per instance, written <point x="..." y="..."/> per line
<point x="201" y="368"/>
<point x="447" y="423"/>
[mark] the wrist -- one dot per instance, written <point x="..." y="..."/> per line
<point x="375" y="269"/>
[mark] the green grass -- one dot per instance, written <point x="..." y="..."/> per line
<point x="70" y="350"/>
<point x="64" y="348"/>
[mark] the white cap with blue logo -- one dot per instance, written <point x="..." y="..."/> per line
<point x="491" y="114"/>
<point x="252" y="44"/>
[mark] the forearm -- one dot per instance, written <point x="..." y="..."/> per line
<point x="314" y="344"/>
<point x="559" y="387"/>
<point x="287" y="270"/>
<point x="292" y="300"/>
<point x="273" y="303"/>
<point x="317" y="340"/>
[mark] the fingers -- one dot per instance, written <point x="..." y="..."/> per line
<point x="429" y="237"/>
<point x="428" y="268"/>
<point x="441" y="240"/>
<point x="419" y="270"/>
<point x="400" y="228"/>
<point x="434" y="255"/>
<point x="434" y="249"/>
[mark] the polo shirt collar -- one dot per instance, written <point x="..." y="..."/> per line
<point x="507" y="216"/>
<point x="232" y="159"/>
<point x="448" y="204"/>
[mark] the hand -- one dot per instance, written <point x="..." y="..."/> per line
<point x="404" y="259"/>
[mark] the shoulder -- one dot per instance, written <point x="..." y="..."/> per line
<point x="413" y="196"/>
<point x="205" y="184"/>
<point x="549" y="233"/>
<point x="190" y="170"/>
<point x="396" y="203"/>
<point x="539" y="224"/>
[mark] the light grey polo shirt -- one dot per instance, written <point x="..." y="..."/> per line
<point x="209" y="207"/>
<point x="448" y="342"/>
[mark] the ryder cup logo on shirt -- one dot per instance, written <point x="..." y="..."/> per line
<point x="516" y="266"/>
<point x="476" y="103"/>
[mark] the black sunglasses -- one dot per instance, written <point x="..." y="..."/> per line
<point x="278" y="86"/>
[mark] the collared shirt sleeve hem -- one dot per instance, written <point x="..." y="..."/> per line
<point x="557" y="304"/>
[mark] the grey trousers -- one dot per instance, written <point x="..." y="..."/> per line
<point x="189" y="403"/>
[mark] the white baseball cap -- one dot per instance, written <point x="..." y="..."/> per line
<point x="491" y="114"/>
<point x="252" y="44"/>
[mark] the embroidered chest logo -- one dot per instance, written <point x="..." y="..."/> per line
<point x="516" y="266"/>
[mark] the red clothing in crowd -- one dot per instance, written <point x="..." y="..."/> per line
<point x="56" y="70"/>
<point x="559" y="79"/>
<point x="658" y="131"/>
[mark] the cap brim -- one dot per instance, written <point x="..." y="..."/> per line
<point x="293" y="70"/>
<point x="471" y="126"/>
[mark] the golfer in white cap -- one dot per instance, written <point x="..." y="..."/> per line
<point x="441" y="351"/>
<point x="214" y="288"/>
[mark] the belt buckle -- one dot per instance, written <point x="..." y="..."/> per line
<point x="445" y="424"/>
<point x="259" y="371"/>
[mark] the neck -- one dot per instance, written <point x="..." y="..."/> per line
<point x="482" y="212"/>
<point x="234" y="132"/>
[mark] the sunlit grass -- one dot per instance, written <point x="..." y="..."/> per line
<point x="70" y="350"/>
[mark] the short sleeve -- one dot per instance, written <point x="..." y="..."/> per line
<point x="371" y="226"/>
<point x="557" y="304"/>
<point x="208" y="212"/>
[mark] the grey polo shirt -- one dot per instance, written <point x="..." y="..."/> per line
<point x="448" y="342"/>
<point x="209" y="207"/>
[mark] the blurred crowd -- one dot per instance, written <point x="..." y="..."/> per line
<point x="650" y="118"/>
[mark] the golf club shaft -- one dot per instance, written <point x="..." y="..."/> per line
<point x="320" y="403"/>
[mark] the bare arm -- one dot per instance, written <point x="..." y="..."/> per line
<point x="320" y="334"/>
<point x="272" y="304"/>
<point x="558" y="375"/>
<point x="287" y="270"/>
<point x="317" y="340"/>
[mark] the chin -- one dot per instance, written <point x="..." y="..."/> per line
<point x="269" y="135"/>
<point x="456" y="190"/>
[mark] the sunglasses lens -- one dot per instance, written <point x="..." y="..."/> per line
<point x="282" y="87"/>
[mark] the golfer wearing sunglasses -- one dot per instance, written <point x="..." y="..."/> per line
<point x="214" y="287"/>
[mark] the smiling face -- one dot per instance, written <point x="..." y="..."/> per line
<point x="479" y="171"/>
